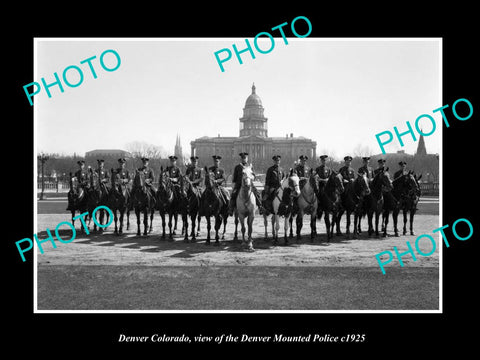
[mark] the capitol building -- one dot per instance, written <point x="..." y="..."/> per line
<point x="253" y="138"/>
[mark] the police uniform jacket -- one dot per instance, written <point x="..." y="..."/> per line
<point x="323" y="171"/>
<point x="274" y="177"/>
<point x="367" y="170"/>
<point x="302" y="170"/>
<point x="377" y="170"/>
<point x="149" y="175"/>
<point x="218" y="174"/>
<point x="82" y="176"/>
<point x="237" y="175"/>
<point x="399" y="173"/>
<point x="122" y="174"/>
<point x="173" y="172"/>
<point x="103" y="175"/>
<point x="347" y="172"/>
<point x="194" y="174"/>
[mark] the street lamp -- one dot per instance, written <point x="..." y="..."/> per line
<point x="43" y="159"/>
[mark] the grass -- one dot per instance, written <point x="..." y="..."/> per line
<point x="111" y="287"/>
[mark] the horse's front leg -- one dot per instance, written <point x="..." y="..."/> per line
<point x="115" y="218"/>
<point x="185" y="225"/>
<point x="120" y="230"/>
<point x="208" y="229"/>
<point x="412" y="214"/>
<point x="285" y="230"/>
<point x="175" y="216"/>
<point x="265" y="225"/>
<point x="337" y="222"/>
<point x="235" y="234"/>
<point x="198" y="226"/>
<point x="290" y="221"/>
<point x="313" y="225"/>
<point x="250" y="229"/>
<point x="348" y="224"/>
<point x="404" y="222"/>
<point x="377" y="217"/>
<point x="218" y="224"/>
<point x="145" y="222"/>
<point x="192" y="221"/>
<point x="170" y="234"/>
<point x="299" y="223"/>
<point x="137" y="213"/>
<point x="152" y="212"/>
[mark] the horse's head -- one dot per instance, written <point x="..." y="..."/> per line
<point x="139" y="180"/>
<point x="247" y="176"/>
<point x="412" y="184"/>
<point x="337" y="179"/>
<point x="184" y="185"/>
<point x="362" y="181"/>
<point x="209" y="179"/>
<point x="293" y="182"/>
<point x="382" y="181"/>
<point x="313" y="181"/>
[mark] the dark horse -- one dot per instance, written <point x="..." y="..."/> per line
<point x="329" y="201"/>
<point x="405" y="196"/>
<point x="142" y="201"/>
<point x="351" y="202"/>
<point x="77" y="199"/>
<point x="166" y="202"/>
<point x="213" y="203"/>
<point x="119" y="200"/>
<point x="96" y="195"/>
<point x="374" y="202"/>
<point x="189" y="203"/>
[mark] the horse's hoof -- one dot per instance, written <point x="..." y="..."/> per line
<point x="384" y="234"/>
<point x="412" y="233"/>
<point x="404" y="232"/>
<point x="198" y="234"/>
<point x="174" y="233"/>
<point x="396" y="234"/>
<point x="138" y="233"/>
<point x="207" y="242"/>
<point x="193" y="240"/>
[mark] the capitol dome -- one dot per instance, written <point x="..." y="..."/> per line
<point x="253" y="100"/>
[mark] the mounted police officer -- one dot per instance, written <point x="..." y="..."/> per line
<point x="402" y="171"/>
<point x="122" y="175"/>
<point x="323" y="171"/>
<point x="103" y="177"/>
<point x="347" y="171"/>
<point x="381" y="166"/>
<point x="194" y="172"/>
<point x="82" y="180"/>
<point x="219" y="177"/>
<point x="273" y="180"/>
<point x="302" y="170"/>
<point x="366" y="169"/>
<point x="149" y="176"/>
<point x="237" y="183"/>
<point x="82" y="174"/>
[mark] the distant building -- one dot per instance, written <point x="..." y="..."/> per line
<point x="253" y="138"/>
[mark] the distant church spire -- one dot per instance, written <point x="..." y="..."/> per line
<point x="421" y="149"/>
<point x="178" y="149"/>
<point x="253" y="88"/>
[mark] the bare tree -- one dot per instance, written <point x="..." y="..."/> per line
<point x="140" y="149"/>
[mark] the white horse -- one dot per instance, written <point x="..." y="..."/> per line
<point x="307" y="203"/>
<point x="245" y="206"/>
<point x="291" y="185"/>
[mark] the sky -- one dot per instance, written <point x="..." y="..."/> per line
<point x="337" y="92"/>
